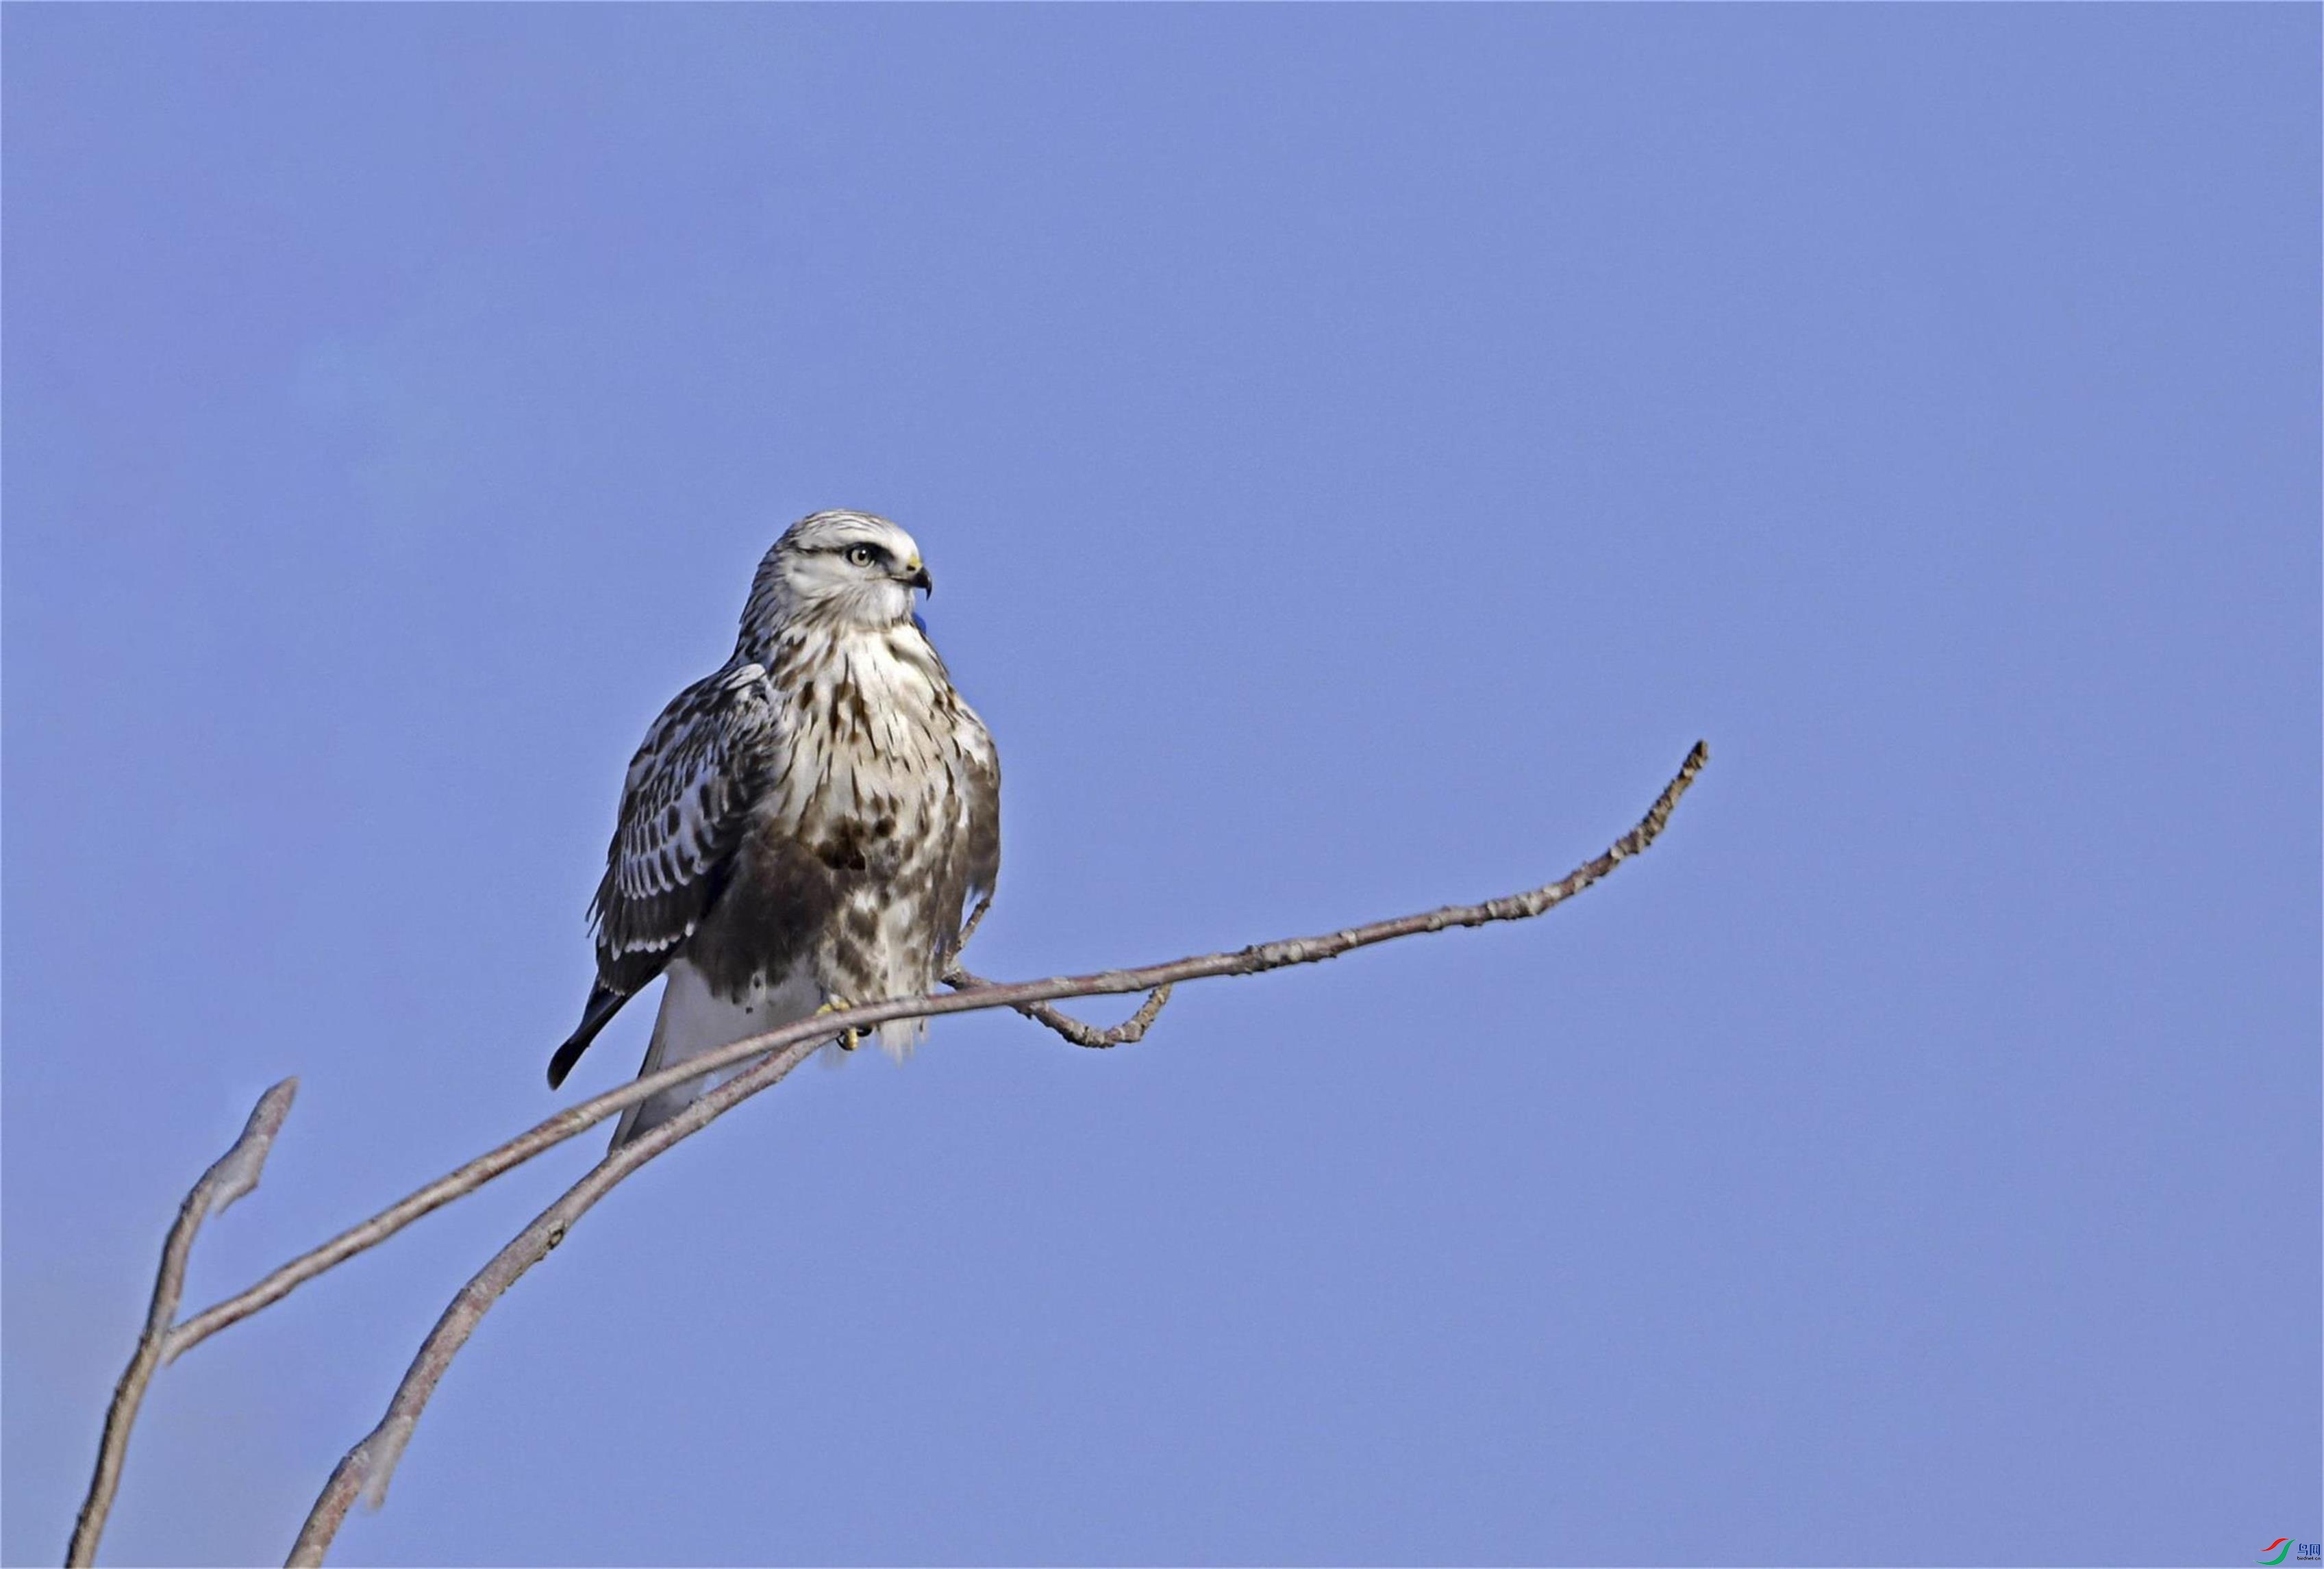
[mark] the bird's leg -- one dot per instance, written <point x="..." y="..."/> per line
<point x="847" y="1038"/>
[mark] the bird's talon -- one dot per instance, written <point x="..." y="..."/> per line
<point x="848" y="1039"/>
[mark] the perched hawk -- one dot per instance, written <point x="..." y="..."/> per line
<point x="804" y="827"/>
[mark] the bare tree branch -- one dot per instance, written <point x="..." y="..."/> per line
<point x="232" y="1174"/>
<point x="778" y="1050"/>
<point x="554" y="1131"/>
<point x="365" y="1469"/>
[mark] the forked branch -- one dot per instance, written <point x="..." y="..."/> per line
<point x="772" y="1055"/>
<point x="366" y="1468"/>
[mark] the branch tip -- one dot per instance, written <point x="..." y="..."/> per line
<point x="229" y="1176"/>
<point x="238" y="1172"/>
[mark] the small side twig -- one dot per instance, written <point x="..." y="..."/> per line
<point x="230" y="1176"/>
<point x="1130" y="1029"/>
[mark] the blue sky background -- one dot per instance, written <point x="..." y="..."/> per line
<point x="1360" y="449"/>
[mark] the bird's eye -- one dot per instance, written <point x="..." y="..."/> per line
<point x="861" y="554"/>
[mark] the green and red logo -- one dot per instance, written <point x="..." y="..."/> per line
<point x="2280" y="1547"/>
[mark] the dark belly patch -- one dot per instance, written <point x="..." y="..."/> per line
<point x="780" y="902"/>
<point x="855" y="845"/>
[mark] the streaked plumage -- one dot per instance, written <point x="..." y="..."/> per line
<point x="805" y="825"/>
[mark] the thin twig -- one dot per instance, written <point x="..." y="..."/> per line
<point x="230" y="1176"/>
<point x="365" y="1469"/>
<point x="576" y="1118"/>
<point x="1130" y="1029"/>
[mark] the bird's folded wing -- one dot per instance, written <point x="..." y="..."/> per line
<point x="684" y="808"/>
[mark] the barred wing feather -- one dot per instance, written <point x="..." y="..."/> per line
<point x="683" y="811"/>
<point x="684" y="808"/>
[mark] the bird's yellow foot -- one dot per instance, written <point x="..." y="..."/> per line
<point x="848" y="1039"/>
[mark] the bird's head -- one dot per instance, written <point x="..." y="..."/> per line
<point x="839" y="567"/>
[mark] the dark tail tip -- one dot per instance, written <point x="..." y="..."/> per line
<point x="603" y="1004"/>
<point x="567" y="1056"/>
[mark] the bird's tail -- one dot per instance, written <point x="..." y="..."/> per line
<point x="654" y="1111"/>
<point x="692" y="1022"/>
<point x="603" y="1004"/>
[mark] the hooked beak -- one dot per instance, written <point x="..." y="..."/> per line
<point x="916" y="576"/>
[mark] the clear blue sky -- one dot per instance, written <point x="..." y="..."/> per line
<point x="1359" y="450"/>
